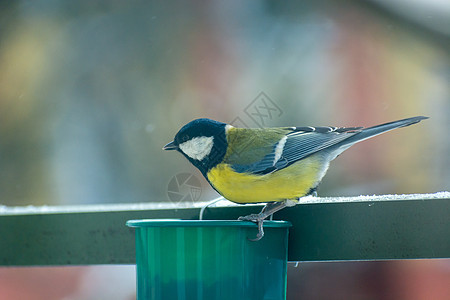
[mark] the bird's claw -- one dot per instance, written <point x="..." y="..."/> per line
<point x="253" y="218"/>
<point x="260" y="234"/>
<point x="258" y="219"/>
<point x="268" y="210"/>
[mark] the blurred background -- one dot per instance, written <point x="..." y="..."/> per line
<point x="90" y="91"/>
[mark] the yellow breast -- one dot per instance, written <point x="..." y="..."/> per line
<point x="289" y="183"/>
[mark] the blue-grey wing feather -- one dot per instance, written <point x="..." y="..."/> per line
<point x="300" y="143"/>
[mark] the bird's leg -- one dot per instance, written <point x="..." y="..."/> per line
<point x="268" y="210"/>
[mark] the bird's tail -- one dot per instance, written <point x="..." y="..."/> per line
<point x="379" y="129"/>
<point x="367" y="133"/>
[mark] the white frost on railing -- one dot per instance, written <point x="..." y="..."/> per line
<point x="30" y="209"/>
<point x="373" y="198"/>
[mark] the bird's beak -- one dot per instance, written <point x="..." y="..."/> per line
<point x="170" y="146"/>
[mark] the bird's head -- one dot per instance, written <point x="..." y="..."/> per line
<point x="202" y="141"/>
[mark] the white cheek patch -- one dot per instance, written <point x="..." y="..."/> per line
<point x="198" y="148"/>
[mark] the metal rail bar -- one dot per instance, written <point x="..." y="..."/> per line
<point x="324" y="229"/>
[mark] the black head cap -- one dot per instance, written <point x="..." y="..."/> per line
<point x="198" y="128"/>
<point x="202" y="128"/>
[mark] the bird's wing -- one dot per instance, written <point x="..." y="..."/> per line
<point x="247" y="146"/>
<point x="295" y="144"/>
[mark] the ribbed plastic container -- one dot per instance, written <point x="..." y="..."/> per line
<point x="184" y="259"/>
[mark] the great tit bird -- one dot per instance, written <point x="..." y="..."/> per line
<point x="276" y="166"/>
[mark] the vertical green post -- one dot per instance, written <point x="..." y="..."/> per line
<point x="185" y="259"/>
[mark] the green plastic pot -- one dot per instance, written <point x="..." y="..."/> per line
<point x="185" y="259"/>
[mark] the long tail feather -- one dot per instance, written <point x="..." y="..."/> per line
<point x="379" y="129"/>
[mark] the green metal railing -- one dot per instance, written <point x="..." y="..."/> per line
<point x="324" y="229"/>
